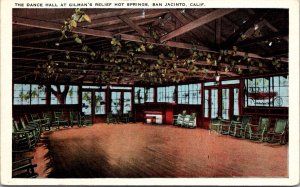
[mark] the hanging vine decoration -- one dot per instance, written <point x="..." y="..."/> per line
<point x="166" y="69"/>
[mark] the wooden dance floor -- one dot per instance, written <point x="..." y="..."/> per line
<point x="142" y="150"/>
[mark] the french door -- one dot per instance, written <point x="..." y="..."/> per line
<point x="120" y="101"/>
<point x="221" y="102"/>
<point x="211" y="103"/>
<point x="93" y="102"/>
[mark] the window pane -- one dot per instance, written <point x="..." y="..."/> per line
<point x="115" y="102"/>
<point x="149" y="94"/>
<point x="100" y="102"/>
<point x="236" y="101"/>
<point x="183" y="94"/>
<point x="139" y="93"/>
<point x="38" y="94"/>
<point x="72" y="96"/>
<point x="21" y="94"/>
<point x="87" y="103"/>
<point x="127" y="102"/>
<point x="206" y="104"/>
<point x="225" y="103"/>
<point x="214" y="103"/>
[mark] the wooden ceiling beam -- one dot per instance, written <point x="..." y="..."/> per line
<point x="243" y="28"/>
<point x="132" y="25"/>
<point x="197" y="23"/>
<point x="262" y="38"/>
<point x="183" y="20"/>
<point x="127" y="37"/>
<point x="115" y="20"/>
<point x="218" y="33"/>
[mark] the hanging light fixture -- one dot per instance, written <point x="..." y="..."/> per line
<point x="270" y="43"/>
<point x="217" y="77"/>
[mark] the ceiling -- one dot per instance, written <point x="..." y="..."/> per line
<point x="258" y="35"/>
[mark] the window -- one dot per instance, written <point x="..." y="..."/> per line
<point x="58" y="95"/>
<point x="139" y="95"/>
<point x="206" y="103"/>
<point x="99" y="102"/>
<point x="166" y="94"/>
<point x="87" y="103"/>
<point x="127" y="102"/>
<point x="91" y="87"/>
<point x="189" y="94"/>
<point x="29" y="94"/>
<point x="225" y="103"/>
<point x="183" y="94"/>
<point x="230" y="82"/>
<point x="120" y="88"/>
<point x="210" y="83"/>
<point x="236" y="101"/>
<point x="149" y="94"/>
<point x="142" y="95"/>
<point x="195" y="93"/>
<point x="214" y="103"/>
<point x="267" y="92"/>
<point x="115" y="102"/>
<point x="280" y="92"/>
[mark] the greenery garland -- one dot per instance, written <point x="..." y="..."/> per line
<point x="163" y="70"/>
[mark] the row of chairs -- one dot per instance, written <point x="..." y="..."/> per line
<point x="119" y="118"/>
<point x="27" y="130"/>
<point x="185" y="120"/>
<point x="241" y="126"/>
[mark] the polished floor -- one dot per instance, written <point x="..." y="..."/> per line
<point x="143" y="150"/>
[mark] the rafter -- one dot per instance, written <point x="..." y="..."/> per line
<point x="127" y="37"/>
<point x="262" y="38"/>
<point x="197" y="23"/>
<point x="183" y="20"/>
<point x="115" y="20"/>
<point x="132" y="25"/>
<point x="218" y="33"/>
<point x="242" y="29"/>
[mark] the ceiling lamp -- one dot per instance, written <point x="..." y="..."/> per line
<point x="270" y="44"/>
<point x="218" y="77"/>
<point x="255" y="27"/>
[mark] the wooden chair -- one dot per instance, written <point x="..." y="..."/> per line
<point x="110" y="118"/>
<point x="258" y="132"/>
<point x="227" y="126"/>
<point x="49" y="117"/>
<point x="85" y="119"/>
<point x="215" y="125"/>
<point x="75" y="119"/>
<point x="24" y="168"/>
<point x="22" y="140"/>
<point x="190" y="122"/>
<point x="178" y="119"/>
<point x="34" y="129"/>
<point x="240" y="126"/>
<point x="279" y="132"/>
<point x="60" y="120"/>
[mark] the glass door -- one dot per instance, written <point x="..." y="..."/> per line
<point x="115" y="102"/>
<point x="211" y="103"/>
<point x="120" y="101"/>
<point x="87" y="102"/>
<point x="93" y="102"/>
